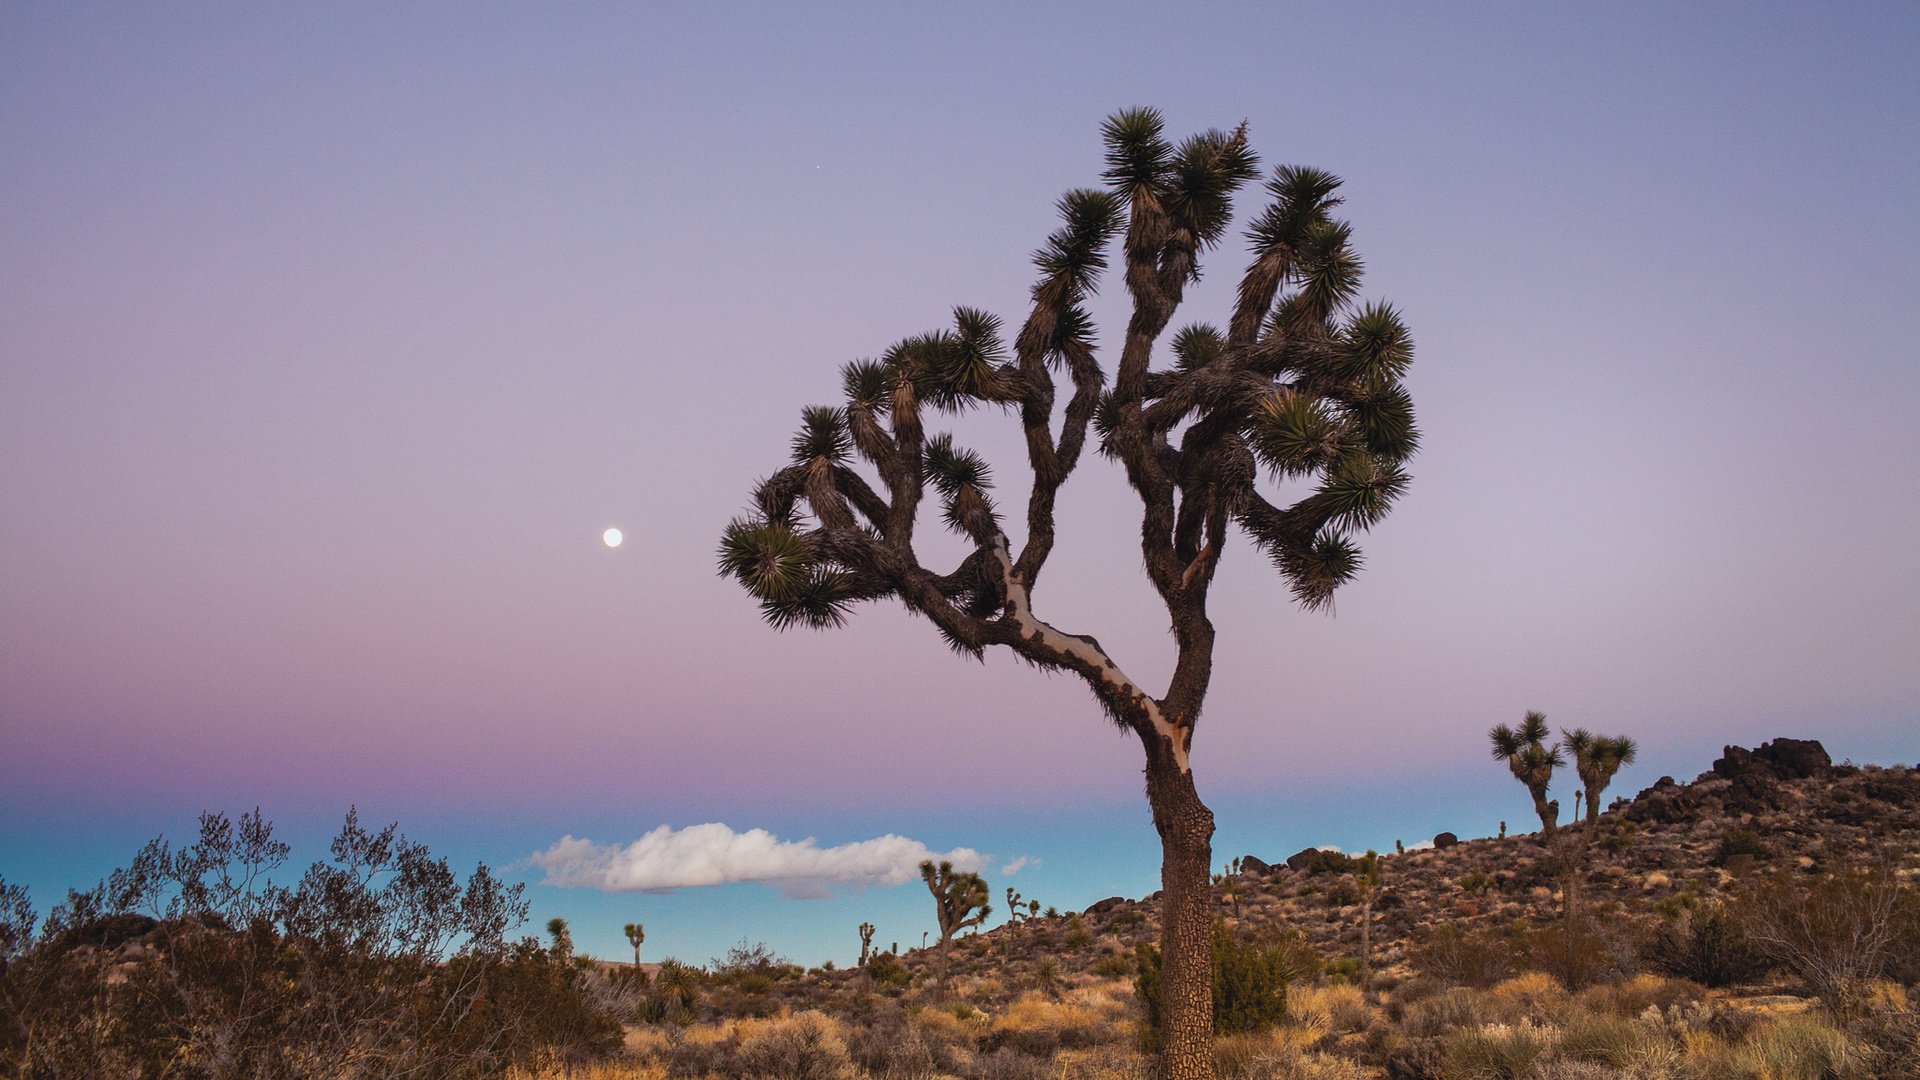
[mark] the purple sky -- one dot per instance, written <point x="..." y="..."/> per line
<point x="331" y="339"/>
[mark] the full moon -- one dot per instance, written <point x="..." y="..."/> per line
<point x="611" y="538"/>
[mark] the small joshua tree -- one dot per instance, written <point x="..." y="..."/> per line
<point x="959" y="901"/>
<point x="1597" y="758"/>
<point x="1532" y="763"/>
<point x="866" y="942"/>
<point x="1229" y="882"/>
<point x="1019" y="907"/>
<point x="635" y="935"/>
<point x="562" y="938"/>
<point x="1369" y="875"/>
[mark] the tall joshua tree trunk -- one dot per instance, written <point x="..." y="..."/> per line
<point x="1186" y="844"/>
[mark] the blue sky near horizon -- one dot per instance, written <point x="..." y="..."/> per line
<point x="331" y="338"/>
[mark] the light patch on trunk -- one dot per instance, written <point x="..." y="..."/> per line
<point x="1020" y="608"/>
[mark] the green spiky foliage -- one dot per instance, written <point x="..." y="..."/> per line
<point x="959" y="901"/>
<point x="1597" y="758"/>
<point x="1287" y="423"/>
<point x="1532" y="762"/>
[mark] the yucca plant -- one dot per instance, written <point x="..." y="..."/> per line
<point x="1303" y="385"/>
<point x="1532" y="763"/>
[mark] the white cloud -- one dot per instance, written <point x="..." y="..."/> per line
<point x="713" y="854"/>
<point x="1019" y="863"/>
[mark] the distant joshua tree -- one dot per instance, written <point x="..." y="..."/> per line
<point x="959" y="901"/>
<point x="1368" y="874"/>
<point x="1532" y="763"/>
<point x="1596" y="758"/>
<point x="562" y="937"/>
<point x="635" y="935"/>
<point x="1289" y="423"/>
<point x="866" y="943"/>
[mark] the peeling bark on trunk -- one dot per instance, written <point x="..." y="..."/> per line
<point x="1186" y="907"/>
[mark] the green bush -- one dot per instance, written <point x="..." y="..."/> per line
<point x="1738" y="842"/>
<point x="887" y="972"/>
<point x="1707" y="945"/>
<point x="1249" y="984"/>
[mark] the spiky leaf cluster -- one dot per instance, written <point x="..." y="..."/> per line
<point x="780" y="567"/>
<point x="1303" y="387"/>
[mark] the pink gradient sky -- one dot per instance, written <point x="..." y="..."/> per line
<point x="330" y="340"/>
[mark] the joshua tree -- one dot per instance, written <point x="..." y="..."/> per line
<point x="1531" y="763"/>
<point x="866" y="943"/>
<point x="1369" y="875"/>
<point x="635" y="935"/>
<point x="562" y="938"/>
<point x="1228" y="879"/>
<point x="1019" y="907"/>
<point x="1302" y="384"/>
<point x="1596" y="758"/>
<point x="959" y="901"/>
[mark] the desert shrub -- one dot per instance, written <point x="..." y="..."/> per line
<point x="1476" y="958"/>
<point x="1494" y="1052"/>
<point x="1265" y="1057"/>
<point x="1077" y="936"/>
<point x="1578" y="954"/>
<point x="888" y="1045"/>
<point x="1040" y="1027"/>
<point x="887" y="972"/>
<point x="1445" y="1012"/>
<point x="1836" y="934"/>
<point x="1630" y="998"/>
<point x="1008" y="1064"/>
<point x="1531" y="997"/>
<point x="1888" y="1028"/>
<point x="1707" y="945"/>
<point x="1737" y="842"/>
<point x="1113" y="966"/>
<point x="1337" y="1009"/>
<point x="1249" y="984"/>
<point x="1602" y="1040"/>
<point x="752" y="960"/>
<point x="189" y="963"/>
<point x="1618" y="836"/>
<point x="806" y="1046"/>
<point x="1799" y="1047"/>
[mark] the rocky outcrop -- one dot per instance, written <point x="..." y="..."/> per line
<point x="1780" y="759"/>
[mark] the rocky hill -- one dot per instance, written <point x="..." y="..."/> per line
<point x="1782" y="806"/>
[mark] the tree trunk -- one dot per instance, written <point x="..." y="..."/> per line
<point x="1186" y="907"/>
<point x="1549" y="814"/>
<point x="946" y="944"/>
<point x="1366" y="943"/>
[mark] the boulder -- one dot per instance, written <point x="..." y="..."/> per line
<point x="1103" y="906"/>
<point x="1779" y="759"/>
<point x="1665" y="802"/>
<point x="1444" y="841"/>
<point x="1254" y="866"/>
<point x="1316" y="861"/>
